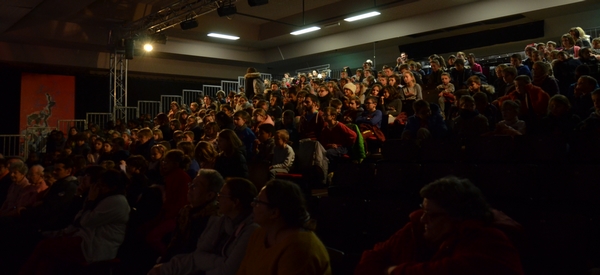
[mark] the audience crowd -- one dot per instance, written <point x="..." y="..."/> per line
<point x="201" y="189"/>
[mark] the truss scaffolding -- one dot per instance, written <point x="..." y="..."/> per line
<point x="118" y="83"/>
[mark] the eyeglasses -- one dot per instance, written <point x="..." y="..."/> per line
<point x="257" y="201"/>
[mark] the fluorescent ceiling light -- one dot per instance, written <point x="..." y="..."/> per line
<point x="224" y="36"/>
<point x="362" y="16"/>
<point x="311" y="29"/>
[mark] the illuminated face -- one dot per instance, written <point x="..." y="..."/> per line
<point x="445" y="79"/>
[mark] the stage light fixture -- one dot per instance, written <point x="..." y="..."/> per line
<point x="188" y="24"/>
<point x="223" y="36"/>
<point x="226" y="10"/>
<point x="148" y="47"/>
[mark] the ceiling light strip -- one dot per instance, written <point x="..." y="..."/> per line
<point x="362" y="16"/>
<point x="311" y="29"/>
<point x="223" y="36"/>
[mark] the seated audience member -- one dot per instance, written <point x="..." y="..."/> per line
<point x="516" y="61"/>
<point x="193" y="126"/>
<point x="543" y="79"/>
<point x="231" y="162"/>
<point x="369" y="123"/>
<point x="205" y="154"/>
<point x="511" y="125"/>
<point x="241" y="119"/>
<point x="260" y="117"/>
<point x="95" y="235"/>
<point x="5" y="180"/>
<point x="145" y="143"/>
<point x="285" y="235"/>
<point x="283" y="154"/>
<point x="288" y="124"/>
<point x="460" y="74"/>
<point x="157" y="154"/>
<point x="391" y="101"/>
<point x="264" y="144"/>
<point x="499" y="84"/>
<point x="221" y="247"/>
<point x="508" y="75"/>
<point x="188" y="149"/>
<point x="139" y="183"/>
<point x="81" y="148"/>
<point x="487" y="109"/>
<point x="353" y="110"/>
<point x="470" y="123"/>
<point x="564" y="70"/>
<point x="582" y="98"/>
<point x="193" y="217"/>
<point x="455" y="231"/>
<point x="275" y="105"/>
<point x="211" y="131"/>
<point x="311" y="123"/>
<point x="560" y="121"/>
<point x="172" y="168"/>
<point x="336" y="137"/>
<point x="534" y="100"/>
<point x="446" y="95"/>
<point x="411" y="92"/>
<point x="37" y="185"/>
<point x="475" y="86"/>
<point x="591" y="125"/>
<point x="427" y="122"/>
<point x="17" y="190"/>
<point x="339" y="107"/>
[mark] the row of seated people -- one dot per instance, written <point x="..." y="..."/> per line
<point x="226" y="226"/>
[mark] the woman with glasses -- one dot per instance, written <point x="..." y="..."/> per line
<point x="222" y="245"/>
<point x="285" y="242"/>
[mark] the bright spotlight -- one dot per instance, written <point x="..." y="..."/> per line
<point x="148" y="47"/>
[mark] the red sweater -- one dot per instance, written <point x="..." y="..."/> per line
<point x="311" y="127"/>
<point x="176" y="189"/>
<point x="473" y="249"/>
<point x="539" y="100"/>
<point x="339" y="135"/>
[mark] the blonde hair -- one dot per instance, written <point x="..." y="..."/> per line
<point x="283" y="134"/>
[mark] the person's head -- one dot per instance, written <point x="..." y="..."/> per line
<point x="540" y="70"/>
<point x="241" y="118"/>
<point x="500" y="70"/>
<point x="596" y="100"/>
<point x="551" y="46"/>
<point x="387" y="71"/>
<point x="375" y="90"/>
<point x="449" y="201"/>
<point x="311" y="103"/>
<point x="175" y="124"/>
<point x="281" y="138"/>
<point x="567" y="41"/>
<point x="510" y="109"/>
<point x="243" y="100"/>
<point x="389" y="93"/>
<point x="559" y="105"/>
<point x="236" y="196"/>
<point x="371" y="103"/>
<point x="281" y="203"/>
<point x="63" y="168"/>
<point x="516" y="60"/>
<point x="259" y="115"/>
<point x="353" y="103"/>
<point x="451" y="60"/>
<point x="509" y="74"/>
<point x="18" y="171"/>
<point x="158" y="135"/>
<point x="596" y="43"/>
<point x="445" y="78"/>
<point x="481" y="101"/>
<point x="136" y="164"/>
<point x="329" y="115"/>
<point x="174" y="159"/>
<point x="205" y="153"/>
<point x="229" y="142"/>
<point x="349" y="89"/>
<point x="409" y="78"/>
<point x="204" y="187"/>
<point x="287" y="117"/>
<point x="474" y="83"/>
<point x="35" y="174"/>
<point x="585" y="53"/>
<point x="187" y="147"/>
<point x="467" y="103"/>
<point x="265" y="132"/>
<point x="157" y="152"/>
<point x="435" y="65"/>
<point x="471" y="58"/>
<point x="459" y="64"/>
<point x="586" y="84"/>
<point x="522" y="83"/>
<point x="144" y="135"/>
<point x="422" y="109"/>
<point x="174" y="106"/>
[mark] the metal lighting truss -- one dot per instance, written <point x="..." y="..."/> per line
<point x="118" y="82"/>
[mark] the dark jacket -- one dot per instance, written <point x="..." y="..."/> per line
<point x="253" y="85"/>
<point x="49" y="215"/>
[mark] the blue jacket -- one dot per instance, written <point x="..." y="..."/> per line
<point x="435" y="124"/>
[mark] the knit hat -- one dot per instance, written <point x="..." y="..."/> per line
<point x="350" y="87"/>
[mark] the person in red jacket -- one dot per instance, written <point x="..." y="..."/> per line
<point x="455" y="232"/>
<point x="336" y="137"/>
<point x="534" y="101"/>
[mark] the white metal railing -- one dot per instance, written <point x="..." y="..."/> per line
<point x="190" y="96"/>
<point x="264" y="76"/>
<point x="229" y="86"/>
<point x="146" y="107"/>
<point x="11" y="145"/>
<point x="65" y="124"/>
<point x="99" y="119"/>
<point x="165" y="102"/>
<point x="211" y="90"/>
<point x="241" y="82"/>
<point x="126" y="113"/>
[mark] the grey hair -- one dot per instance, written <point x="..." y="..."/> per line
<point x="41" y="169"/>
<point x="214" y="179"/>
<point x="19" y="166"/>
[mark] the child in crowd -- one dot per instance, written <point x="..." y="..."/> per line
<point x="157" y="153"/>
<point x="353" y="111"/>
<point x="283" y="154"/>
<point x="446" y="95"/>
<point x="487" y="109"/>
<point x="511" y="125"/>
<point x="241" y="120"/>
<point x="338" y="106"/>
<point x="412" y="91"/>
<point x="264" y="144"/>
<point x="470" y="123"/>
<point x="336" y="137"/>
<point x="260" y="117"/>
